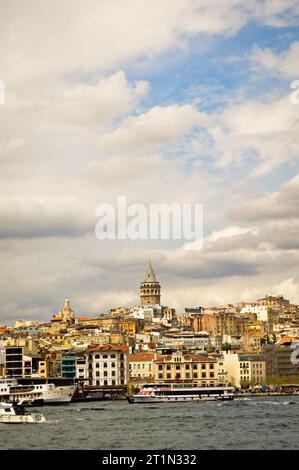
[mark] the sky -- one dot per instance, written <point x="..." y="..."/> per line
<point x="162" y="102"/>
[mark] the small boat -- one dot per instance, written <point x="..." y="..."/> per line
<point x="15" y="413"/>
<point x="172" y="392"/>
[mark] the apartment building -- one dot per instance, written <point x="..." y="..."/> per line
<point x="180" y="367"/>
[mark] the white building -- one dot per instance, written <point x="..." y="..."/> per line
<point x="244" y="368"/>
<point x="106" y="364"/>
<point x="262" y="311"/>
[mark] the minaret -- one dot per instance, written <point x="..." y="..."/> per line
<point x="150" y="289"/>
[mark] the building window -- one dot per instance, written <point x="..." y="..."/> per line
<point x="160" y="367"/>
<point x="97" y="356"/>
<point x="105" y="364"/>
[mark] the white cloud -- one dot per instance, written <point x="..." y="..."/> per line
<point x="97" y="105"/>
<point x="41" y="44"/>
<point x="263" y="135"/>
<point x="75" y="132"/>
<point x="278" y="205"/>
<point x="151" y="130"/>
<point x="285" y="63"/>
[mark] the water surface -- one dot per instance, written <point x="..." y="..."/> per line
<point x="246" y="423"/>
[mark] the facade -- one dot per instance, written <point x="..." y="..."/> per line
<point x="190" y="368"/>
<point x="105" y="365"/>
<point x="131" y="326"/>
<point x="16" y="363"/>
<point x="274" y="302"/>
<point x="68" y="367"/>
<point x="141" y="365"/>
<point x="256" y="329"/>
<point x="220" y="324"/>
<point x="196" y="342"/>
<point x="245" y="369"/>
<point x="262" y="311"/>
<point x="150" y="289"/>
<point x="280" y="361"/>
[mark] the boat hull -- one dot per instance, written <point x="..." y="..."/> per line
<point x="59" y="395"/>
<point x="25" y="419"/>
<point x="176" y="399"/>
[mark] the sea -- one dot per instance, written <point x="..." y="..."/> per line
<point x="244" y="423"/>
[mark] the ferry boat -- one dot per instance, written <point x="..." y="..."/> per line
<point x="40" y="393"/>
<point x="173" y="392"/>
<point x="15" y="413"/>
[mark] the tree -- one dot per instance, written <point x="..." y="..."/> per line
<point x="226" y="346"/>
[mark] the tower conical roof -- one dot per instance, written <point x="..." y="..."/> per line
<point x="149" y="275"/>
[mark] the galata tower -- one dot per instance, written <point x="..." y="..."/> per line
<point x="150" y="289"/>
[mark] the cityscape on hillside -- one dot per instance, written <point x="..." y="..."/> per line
<point x="251" y="346"/>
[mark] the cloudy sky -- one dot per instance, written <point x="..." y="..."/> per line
<point x="170" y="101"/>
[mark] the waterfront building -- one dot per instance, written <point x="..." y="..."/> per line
<point x="150" y="289"/>
<point x="17" y="364"/>
<point x="141" y="365"/>
<point x="280" y="361"/>
<point x="244" y="369"/>
<point x="68" y="366"/>
<point x="180" y="367"/>
<point x="106" y="364"/>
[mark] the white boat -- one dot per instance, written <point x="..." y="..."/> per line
<point x="41" y="393"/>
<point x="10" y="390"/>
<point x="12" y="413"/>
<point x="173" y="392"/>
